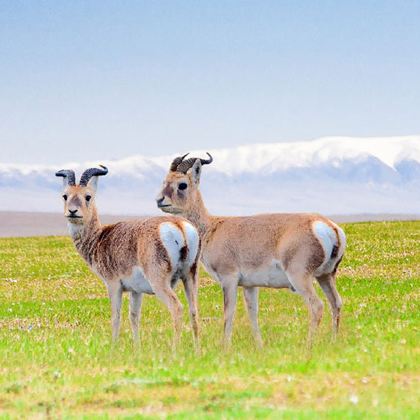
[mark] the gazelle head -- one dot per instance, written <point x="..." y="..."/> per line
<point x="180" y="187"/>
<point x="79" y="200"/>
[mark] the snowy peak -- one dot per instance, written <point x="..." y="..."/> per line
<point x="328" y="150"/>
<point x="331" y="174"/>
<point x="272" y="156"/>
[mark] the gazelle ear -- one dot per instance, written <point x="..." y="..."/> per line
<point x="195" y="171"/>
<point x="93" y="183"/>
<point x="90" y="177"/>
<point x="68" y="177"/>
<point x="65" y="182"/>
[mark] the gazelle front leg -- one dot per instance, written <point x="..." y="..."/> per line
<point x="135" y="308"/>
<point x="115" y="296"/>
<point x="230" y="288"/>
<point x="251" y="300"/>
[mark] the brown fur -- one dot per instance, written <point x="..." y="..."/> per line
<point x="232" y="246"/>
<point x="115" y="251"/>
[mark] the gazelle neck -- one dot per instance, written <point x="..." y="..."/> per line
<point x="86" y="235"/>
<point x="199" y="215"/>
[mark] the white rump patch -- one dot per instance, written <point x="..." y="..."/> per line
<point x="343" y="241"/>
<point x="192" y="241"/>
<point x="326" y="237"/>
<point x="173" y="240"/>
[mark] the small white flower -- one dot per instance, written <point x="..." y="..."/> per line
<point x="354" y="399"/>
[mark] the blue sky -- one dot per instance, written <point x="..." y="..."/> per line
<point x="97" y="80"/>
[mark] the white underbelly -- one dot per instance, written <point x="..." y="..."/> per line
<point x="271" y="275"/>
<point x="266" y="276"/>
<point x="137" y="282"/>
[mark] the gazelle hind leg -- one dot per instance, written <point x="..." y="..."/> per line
<point x="135" y="308"/>
<point x="191" y="293"/>
<point x="170" y="299"/>
<point x="328" y="285"/>
<point x="303" y="283"/>
<point x="251" y="301"/>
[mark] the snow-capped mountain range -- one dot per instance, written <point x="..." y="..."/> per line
<point x="332" y="175"/>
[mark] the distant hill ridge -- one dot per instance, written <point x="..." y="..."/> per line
<point x="340" y="175"/>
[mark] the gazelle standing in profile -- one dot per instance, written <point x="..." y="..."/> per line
<point x="267" y="250"/>
<point x="141" y="256"/>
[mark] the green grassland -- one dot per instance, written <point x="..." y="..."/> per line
<point x="56" y="357"/>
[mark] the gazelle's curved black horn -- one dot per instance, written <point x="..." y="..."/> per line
<point x="176" y="162"/>
<point x="89" y="173"/>
<point x="208" y="161"/>
<point x="187" y="164"/>
<point x="69" y="174"/>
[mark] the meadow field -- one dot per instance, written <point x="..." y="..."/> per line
<point x="56" y="358"/>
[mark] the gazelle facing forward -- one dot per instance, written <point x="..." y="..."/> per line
<point x="268" y="250"/>
<point x="144" y="256"/>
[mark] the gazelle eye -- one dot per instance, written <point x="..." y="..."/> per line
<point x="182" y="186"/>
<point x="65" y="197"/>
<point x="88" y="197"/>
